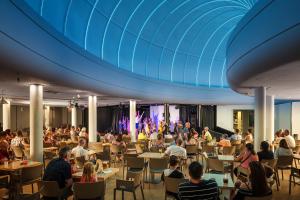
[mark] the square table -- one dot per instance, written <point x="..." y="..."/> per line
<point x="17" y="165"/>
<point x="226" y="158"/>
<point x="148" y="155"/>
<point x="219" y="179"/>
<point x="107" y="173"/>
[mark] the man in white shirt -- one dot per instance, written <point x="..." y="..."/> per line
<point x="176" y="150"/>
<point x="236" y="136"/>
<point x="79" y="151"/>
<point x="289" y="139"/>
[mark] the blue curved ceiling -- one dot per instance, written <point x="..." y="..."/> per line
<point x="182" y="41"/>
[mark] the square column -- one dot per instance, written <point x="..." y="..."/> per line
<point x="36" y="123"/>
<point x="259" y="117"/>
<point x="132" y="119"/>
<point x="92" y="119"/>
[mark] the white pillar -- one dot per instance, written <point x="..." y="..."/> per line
<point x="6" y="116"/>
<point x="47" y="116"/>
<point x="270" y="118"/>
<point x="36" y="123"/>
<point x="260" y="117"/>
<point x="92" y="119"/>
<point x="74" y="117"/>
<point x="132" y="117"/>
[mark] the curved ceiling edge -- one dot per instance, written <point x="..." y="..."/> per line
<point x="27" y="47"/>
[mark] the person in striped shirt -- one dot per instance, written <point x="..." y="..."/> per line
<point x="197" y="188"/>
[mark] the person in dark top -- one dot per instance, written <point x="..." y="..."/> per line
<point x="59" y="169"/>
<point x="265" y="153"/>
<point x="173" y="172"/>
<point x="257" y="183"/>
<point x="197" y="188"/>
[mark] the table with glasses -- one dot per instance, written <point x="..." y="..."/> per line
<point x="224" y="187"/>
<point x="104" y="175"/>
<point x="13" y="169"/>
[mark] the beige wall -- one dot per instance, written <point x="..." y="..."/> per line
<point x="58" y="116"/>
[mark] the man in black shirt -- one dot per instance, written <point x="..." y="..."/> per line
<point x="197" y="188"/>
<point x="59" y="170"/>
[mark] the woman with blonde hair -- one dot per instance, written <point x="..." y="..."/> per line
<point x="88" y="175"/>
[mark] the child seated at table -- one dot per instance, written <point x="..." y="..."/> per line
<point x="88" y="174"/>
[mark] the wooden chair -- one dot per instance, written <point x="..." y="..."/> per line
<point x="272" y="164"/>
<point x="192" y="152"/>
<point x="47" y="157"/>
<point x="157" y="166"/>
<point x="51" y="189"/>
<point x="171" y="185"/>
<point x="169" y="140"/>
<point x="135" y="165"/>
<point x="34" y="196"/>
<point x="18" y="152"/>
<point x="283" y="163"/>
<point x="116" y="151"/>
<point x="295" y="173"/>
<point x="214" y="165"/>
<point x="130" y="185"/>
<point x="269" y="197"/>
<point x="97" y="146"/>
<point x="89" y="190"/>
<point x="30" y="176"/>
<point x="229" y="150"/>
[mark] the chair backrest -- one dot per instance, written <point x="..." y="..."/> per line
<point x="96" y="146"/>
<point x="171" y="184"/>
<point x="215" y="164"/>
<point x="89" y="190"/>
<point x="158" y="163"/>
<point x="34" y="196"/>
<point x="31" y="173"/>
<point x="208" y="149"/>
<point x="50" y="189"/>
<point x="269" y="197"/>
<point x="49" y="155"/>
<point x="18" y="152"/>
<point x="271" y="162"/>
<point x="283" y="161"/>
<point x="169" y="140"/>
<point x="131" y="145"/>
<point x="229" y="150"/>
<point x="191" y="149"/>
<point x="134" y="162"/>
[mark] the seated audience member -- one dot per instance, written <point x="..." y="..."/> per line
<point x="172" y="172"/>
<point x="256" y="186"/>
<point x="59" y="170"/>
<point x="224" y="142"/>
<point x="79" y="151"/>
<point x="289" y="139"/>
<point x="190" y="140"/>
<point x="246" y="157"/>
<point x="142" y="135"/>
<point x="73" y="133"/>
<point x="18" y="140"/>
<point x="83" y="133"/>
<point x="194" y="133"/>
<point x="177" y="150"/>
<point x="278" y="136"/>
<point x="153" y="135"/>
<point x="236" y="136"/>
<point x="168" y="136"/>
<point x="109" y="137"/>
<point x="249" y="137"/>
<point x="283" y="149"/>
<point x="206" y="135"/>
<point x="88" y="175"/>
<point x="3" y="147"/>
<point x="265" y="153"/>
<point x="159" y="143"/>
<point x="197" y="188"/>
<point x="119" y="142"/>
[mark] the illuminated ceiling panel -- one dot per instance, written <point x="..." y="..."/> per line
<point x="181" y="41"/>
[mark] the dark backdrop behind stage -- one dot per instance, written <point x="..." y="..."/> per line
<point x="108" y="117"/>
